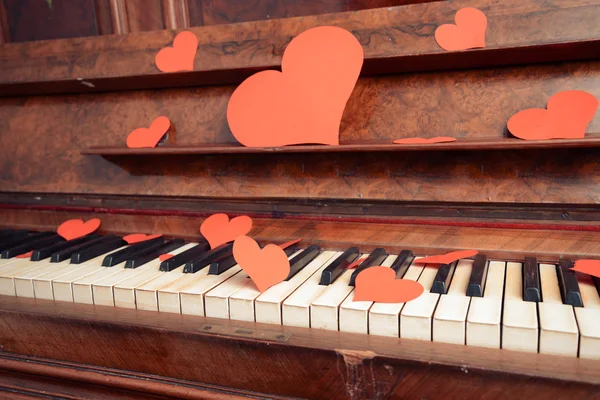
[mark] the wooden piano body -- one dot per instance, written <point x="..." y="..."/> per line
<point x="67" y="106"/>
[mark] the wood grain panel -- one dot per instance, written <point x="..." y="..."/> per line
<point x="104" y="16"/>
<point x="196" y="13"/>
<point x="145" y="15"/>
<point x="40" y="20"/>
<point x="176" y="14"/>
<point x="473" y="104"/>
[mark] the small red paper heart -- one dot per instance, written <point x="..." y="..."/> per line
<point x="415" y="140"/>
<point x="356" y="263"/>
<point x="164" y="257"/>
<point x="589" y="267"/>
<point x="447" y="258"/>
<point x="218" y="229"/>
<point x="181" y="56"/>
<point x="25" y="255"/>
<point x="290" y="243"/>
<point x="380" y="284"/>
<point x="76" y="228"/>
<point x="304" y="103"/>
<point x="266" y="267"/>
<point x="139" y="237"/>
<point x="566" y="116"/>
<point x="148" y="137"/>
<point x="468" y="33"/>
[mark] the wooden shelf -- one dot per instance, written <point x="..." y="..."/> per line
<point x="349" y="147"/>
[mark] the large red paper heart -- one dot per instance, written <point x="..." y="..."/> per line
<point x="266" y="267"/>
<point x="218" y="229"/>
<point x="468" y="33"/>
<point x="75" y="228"/>
<point x="149" y="137"/>
<point x="380" y="284"/>
<point x="304" y="103"/>
<point x="181" y="56"/>
<point x="139" y="237"/>
<point x="589" y="267"/>
<point x="566" y="116"/>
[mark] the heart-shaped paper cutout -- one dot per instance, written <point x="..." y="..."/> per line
<point x="76" y="228"/>
<point x="380" y="284"/>
<point x="447" y="258"/>
<point x="218" y="229"/>
<point x="266" y="267"/>
<point x="149" y="137"/>
<point x="304" y="103"/>
<point x="589" y="267"/>
<point x="468" y="33"/>
<point x="165" y="257"/>
<point x="356" y="263"/>
<point x="567" y="116"/>
<point x="181" y="56"/>
<point x="415" y="140"/>
<point x="25" y="255"/>
<point x="139" y="237"/>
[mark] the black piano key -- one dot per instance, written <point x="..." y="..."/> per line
<point x="376" y="257"/>
<point x="567" y="282"/>
<point x="597" y="283"/>
<point x="291" y="249"/>
<point x="478" y="276"/>
<point x="532" y="290"/>
<point x="97" y="250"/>
<point x="45" y="252"/>
<point x="221" y="265"/>
<point x="441" y="282"/>
<point x="337" y="267"/>
<point x="178" y="260"/>
<point x="153" y="253"/>
<point x="130" y="252"/>
<point x="7" y="234"/>
<point x="32" y="245"/>
<point x="18" y="240"/>
<point x="402" y="263"/>
<point x="217" y="254"/>
<point x="90" y="241"/>
<point x="302" y="260"/>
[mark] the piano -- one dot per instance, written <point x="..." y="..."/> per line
<point x="96" y="317"/>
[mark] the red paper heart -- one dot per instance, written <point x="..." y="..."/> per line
<point x="164" y="257"/>
<point x="181" y="56"/>
<point x="567" y="116"/>
<point x="149" y="137"/>
<point x="356" y="263"/>
<point x="468" y="33"/>
<point x="25" y="255"/>
<point x="218" y="229"/>
<point x="415" y="140"/>
<point x="447" y="258"/>
<point x="266" y="267"/>
<point x="380" y="284"/>
<point x="589" y="267"/>
<point x="76" y="228"/>
<point x="139" y="237"/>
<point x="304" y="103"/>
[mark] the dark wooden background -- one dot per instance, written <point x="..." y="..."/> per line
<point x="28" y="20"/>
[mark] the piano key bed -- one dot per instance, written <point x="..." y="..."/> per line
<point x="525" y="306"/>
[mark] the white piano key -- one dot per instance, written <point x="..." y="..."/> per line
<point x="10" y="271"/>
<point x="325" y="309"/>
<point x="558" y="328"/>
<point x="588" y="318"/>
<point x="354" y="315"/>
<point x="416" y="316"/>
<point x="216" y="301"/>
<point x="268" y="306"/>
<point x="42" y="284"/>
<point x="449" y="320"/>
<point x="146" y="295"/>
<point x="241" y="302"/>
<point x="384" y="318"/>
<point x="296" y="308"/>
<point x="24" y="281"/>
<point x="83" y="289"/>
<point x="519" y="318"/>
<point x="485" y="313"/>
<point x="103" y="289"/>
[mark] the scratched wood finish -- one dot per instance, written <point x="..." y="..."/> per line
<point x="337" y="365"/>
<point x="519" y="32"/>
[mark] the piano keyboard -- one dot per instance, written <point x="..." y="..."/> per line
<point x="525" y="306"/>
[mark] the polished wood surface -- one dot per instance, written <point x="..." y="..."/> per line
<point x="305" y="363"/>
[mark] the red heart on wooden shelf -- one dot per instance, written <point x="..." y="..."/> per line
<point x="76" y="228"/>
<point x="304" y="103"/>
<point x="218" y="229"/>
<point x="165" y="257"/>
<point x="468" y="33"/>
<point x="414" y="140"/>
<point x="149" y="137"/>
<point x="181" y="56"/>
<point x="566" y="116"/>
<point x="380" y="284"/>
<point x="266" y="267"/>
<point x="448" y="257"/>
<point x="139" y="237"/>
